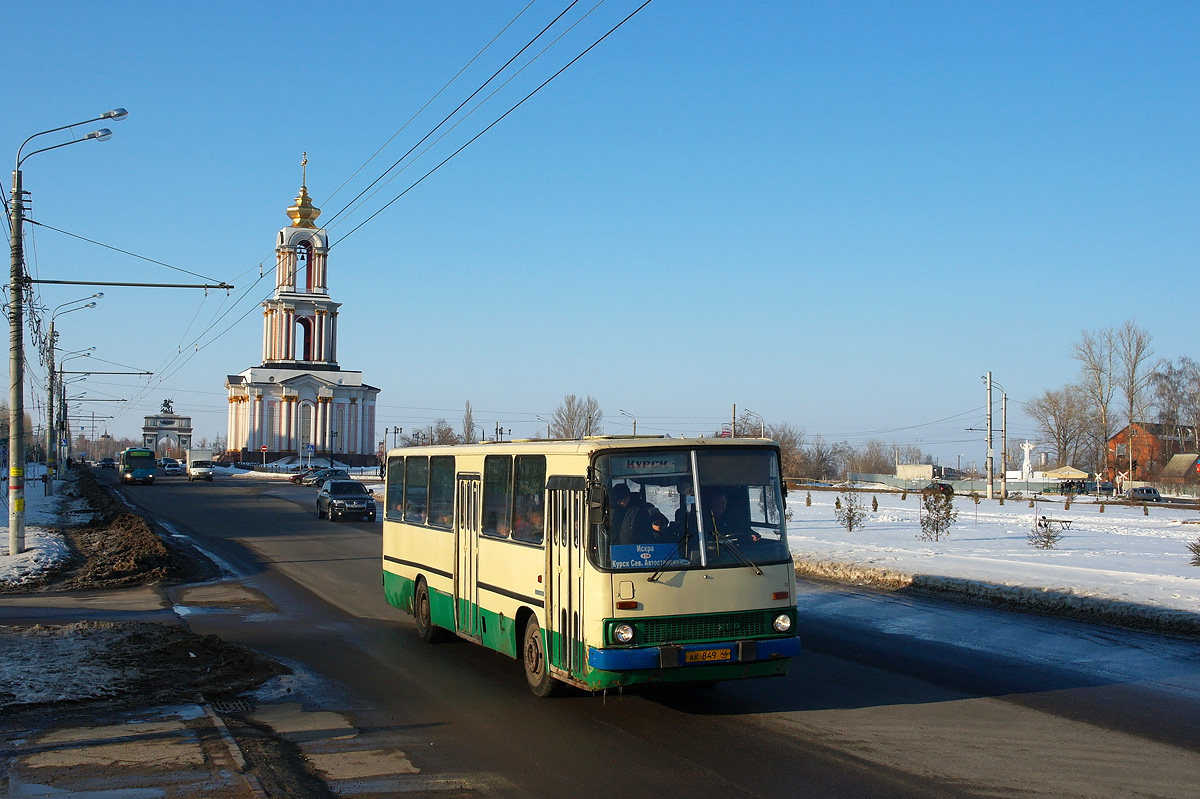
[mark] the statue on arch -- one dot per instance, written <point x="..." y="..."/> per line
<point x="167" y="407"/>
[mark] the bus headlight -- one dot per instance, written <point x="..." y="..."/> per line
<point x="782" y="623"/>
<point x="623" y="633"/>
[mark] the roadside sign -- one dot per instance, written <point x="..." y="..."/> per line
<point x="263" y="448"/>
<point x="310" y="448"/>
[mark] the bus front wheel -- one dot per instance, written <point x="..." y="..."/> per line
<point x="537" y="672"/>
<point x="429" y="633"/>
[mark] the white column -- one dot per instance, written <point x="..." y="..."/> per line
<point x="293" y="425"/>
<point x="321" y="434"/>
<point x="229" y="426"/>
<point x="259" y="413"/>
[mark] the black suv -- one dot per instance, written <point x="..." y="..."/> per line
<point x="108" y="463"/>
<point x="339" y="498"/>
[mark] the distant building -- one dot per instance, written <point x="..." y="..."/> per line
<point x="299" y="401"/>
<point x="1148" y="446"/>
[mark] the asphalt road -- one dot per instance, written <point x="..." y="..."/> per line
<point x="861" y="714"/>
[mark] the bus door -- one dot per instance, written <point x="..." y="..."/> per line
<point x="466" y="547"/>
<point x="565" y="545"/>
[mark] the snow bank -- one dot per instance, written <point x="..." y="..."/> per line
<point x="1120" y="563"/>
<point x="45" y="549"/>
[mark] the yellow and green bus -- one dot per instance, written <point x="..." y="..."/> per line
<point x="598" y="563"/>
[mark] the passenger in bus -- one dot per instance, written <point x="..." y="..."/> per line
<point x="529" y="526"/>
<point x="629" y="519"/>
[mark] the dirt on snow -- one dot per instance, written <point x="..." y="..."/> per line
<point x="120" y="663"/>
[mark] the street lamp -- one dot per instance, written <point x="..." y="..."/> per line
<point x="547" y="421"/>
<point x="16" y="330"/>
<point x="762" y="423"/>
<point x="51" y="437"/>
<point x="631" y="416"/>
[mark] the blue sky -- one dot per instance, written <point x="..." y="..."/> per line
<point x="837" y="215"/>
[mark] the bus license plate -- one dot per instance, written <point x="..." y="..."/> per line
<point x="706" y="655"/>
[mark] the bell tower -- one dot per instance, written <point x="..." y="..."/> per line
<point x="299" y="404"/>
<point x="300" y="321"/>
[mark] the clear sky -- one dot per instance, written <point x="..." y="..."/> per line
<point x="838" y="215"/>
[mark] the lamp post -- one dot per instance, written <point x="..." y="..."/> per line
<point x="631" y="416"/>
<point x="396" y="431"/>
<point x="51" y="437"/>
<point x="16" y="330"/>
<point x="547" y="421"/>
<point x="332" y="446"/>
<point x="762" y="423"/>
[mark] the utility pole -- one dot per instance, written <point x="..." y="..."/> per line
<point x="16" y="372"/>
<point x="990" y="452"/>
<point x="1003" y="445"/>
<point x="733" y="422"/>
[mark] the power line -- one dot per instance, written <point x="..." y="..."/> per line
<point x="493" y="124"/>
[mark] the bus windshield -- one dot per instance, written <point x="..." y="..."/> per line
<point x="138" y="460"/>
<point x="690" y="509"/>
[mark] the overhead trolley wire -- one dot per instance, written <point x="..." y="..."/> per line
<point x="455" y="111"/>
<point x="428" y="102"/>
<point x="494" y="123"/>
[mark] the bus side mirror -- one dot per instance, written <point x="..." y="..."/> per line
<point x="597" y="505"/>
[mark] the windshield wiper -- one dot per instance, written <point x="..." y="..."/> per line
<point x="680" y="549"/>
<point x="737" y="553"/>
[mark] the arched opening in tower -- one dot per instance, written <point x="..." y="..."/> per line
<point x="304" y="338"/>
<point x="304" y="264"/>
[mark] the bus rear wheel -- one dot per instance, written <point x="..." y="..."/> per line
<point x="537" y="671"/>
<point x="429" y="633"/>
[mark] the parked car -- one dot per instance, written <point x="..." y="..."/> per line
<point x="341" y="498"/>
<point x="108" y="463"/>
<point x="299" y="476"/>
<point x="318" y="477"/>
<point x="172" y="466"/>
<point x="941" y="488"/>
<point x="1144" y="494"/>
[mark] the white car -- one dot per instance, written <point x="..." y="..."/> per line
<point x="172" y="466"/>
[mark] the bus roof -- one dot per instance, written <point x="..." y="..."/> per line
<point x="586" y="445"/>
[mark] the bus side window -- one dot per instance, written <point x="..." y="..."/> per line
<point x="395" y="489"/>
<point x="497" y="495"/>
<point x="441" y="491"/>
<point x="416" y="489"/>
<point x="529" y="498"/>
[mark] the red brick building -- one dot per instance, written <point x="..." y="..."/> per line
<point x="1152" y="446"/>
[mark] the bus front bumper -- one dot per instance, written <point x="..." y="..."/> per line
<point x="683" y="655"/>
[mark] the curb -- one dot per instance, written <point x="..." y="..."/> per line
<point x="1009" y="597"/>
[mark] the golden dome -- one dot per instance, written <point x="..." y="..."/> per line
<point x="303" y="212"/>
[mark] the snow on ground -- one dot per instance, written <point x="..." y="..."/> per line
<point x="44" y="549"/>
<point x="1119" y="555"/>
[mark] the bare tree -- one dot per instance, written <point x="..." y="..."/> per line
<point x="1176" y="389"/>
<point x="576" y="418"/>
<point x="1062" y="416"/>
<point x="468" y="425"/>
<point x="791" y="447"/>
<point x="443" y="433"/>
<point x="1134" y="353"/>
<point x="874" y="457"/>
<point x="820" y="460"/>
<point x="1096" y="353"/>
